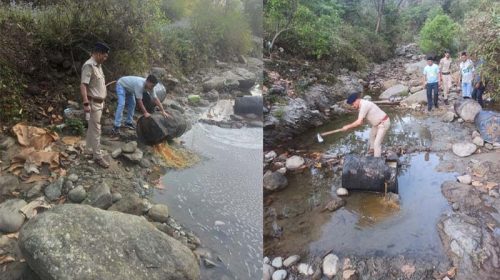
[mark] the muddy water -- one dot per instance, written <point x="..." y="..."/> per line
<point x="366" y="225"/>
<point x="220" y="198"/>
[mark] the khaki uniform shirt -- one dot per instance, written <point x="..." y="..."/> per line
<point x="93" y="76"/>
<point x="445" y="65"/>
<point x="371" y="112"/>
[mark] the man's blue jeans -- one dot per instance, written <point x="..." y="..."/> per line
<point x="466" y="90"/>
<point x="130" y="101"/>
<point x="432" y="87"/>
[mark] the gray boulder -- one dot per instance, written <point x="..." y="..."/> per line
<point x="11" y="219"/>
<point x="100" y="197"/>
<point x="397" y="90"/>
<point x="130" y="204"/>
<point x="419" y="97"/>
<point x="416" y="68"/>
<point x="80" y="242"/>
<point x="463" y="149"/>
<point x="274" y="181"/>
<point x="77" y="194"/>
<point x="158" y="213"/>
<point x="54" y="190"/>
<point x="467" y="109"/>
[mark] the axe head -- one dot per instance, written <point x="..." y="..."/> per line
<point x="320" y="139"/>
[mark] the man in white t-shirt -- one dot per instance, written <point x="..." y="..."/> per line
<point x="431" y="82"/>
<point x="445" y="74"/>
<point x="466" y="75"/>
<point x="375" y="116"/>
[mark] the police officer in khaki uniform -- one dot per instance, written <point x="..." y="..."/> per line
<point x="93" y="90"/>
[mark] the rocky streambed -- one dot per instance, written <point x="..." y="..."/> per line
<point x="63" y="217"/>
<point x="443" y="224"/>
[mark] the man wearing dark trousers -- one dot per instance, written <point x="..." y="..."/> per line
<point x="431" y="82"/>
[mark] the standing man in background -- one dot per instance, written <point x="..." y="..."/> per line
<point x="466" y="75"/>
<point x="93" y="91"/>
<point x="431" y="82"/>
<point x="445" y="74"/>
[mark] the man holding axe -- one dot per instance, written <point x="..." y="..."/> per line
<point x="376" y="117"/>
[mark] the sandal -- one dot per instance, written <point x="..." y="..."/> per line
<point x="102" y="163"/>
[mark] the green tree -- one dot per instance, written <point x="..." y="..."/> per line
<point x="438" y="34"/>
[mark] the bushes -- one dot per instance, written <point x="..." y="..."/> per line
<point x="438" y="34"/>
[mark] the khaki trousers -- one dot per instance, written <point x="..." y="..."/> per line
<point x="446" y="85"/>
<point x="93" y="139"/>
<point x="377" y="134"/>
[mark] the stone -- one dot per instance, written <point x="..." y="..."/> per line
<point x="477" y="184"/>
<point x="342" y="192"/>
<point x="349" y="274"/>
<point x="266" y="260"/>
<point x="270" y="156"/>
<point x="6" y="143"/>
<point x="35" y="191"/>
<point x="277" y="262"/>
<point x="448" y="117"/>
<point x="460" y="120"/>
<point x="129" y="147"/>
<point x="116" y="153"/>
<point x="77" y="194"/>
<point x="330" y="265"/>
<point x="135" y="157"/>
<point x="466" y="237"/>
<point x="465" y="179"/>
<point x="73" y="178"/>
<point x="11" y="219"/>
<point x="305" y="269"/>
<point x="478" y="141"/>
<point x="288" y="262"/>
<point x="488" y="146"/>
<point x="475" y="134"/>
<point x="455" y="206"/>
<point x="389" y="83"/>
<point x="416" y="89"/>
<point x="395" y="91"/>
<point x="419" y="97"/>
<point x="279" y="274"/>
<point x="281" y="170"/>
<point x="268" y="271"/>
<point x="104" y="245"/>
<point x="67" y="187"/>
<point x="334" y="204"/>
<point x="116" y="196"/>
<point x="100" y="197"/>
<point x="131" y="204"/>
<point x="54" y="190"/>
<point x="294" y="162"/>
<point x="464" y="149"/>
<point x="467" y="109"/>
<point x="158" y="213"/>
<point x="416" y="68"/>
<point x="274" y="181"/>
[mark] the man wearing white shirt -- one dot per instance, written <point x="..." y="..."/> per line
<point x="466" y="75"/>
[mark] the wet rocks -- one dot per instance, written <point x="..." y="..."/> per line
<point x="305" y="269"/>
<point x="330" y="265"/>
<point x="100" y="197"/>
<point x="131" y="204"/>
<point x="268" y="271"/>
<point x="394" y="91"/>
<point x="274" y="181"/>
<point x="448" y="117"/>
<point x="478" y="141"/>
<point x="11" y="219"/>
<point x="158" y="213"/>
<point x="270" y="156"/>
<point x="465" y="179"/>
<point x="77" y="194"/>
<point x="54" y="190"/>
<point x="334" y="204"/>
<point x="294" y="162"/>
<point x="127" y="247"/>
<point x="279" y="275"/>
<point x="342" y="192"/>
<point x="464" y="149"/>
<point x="291" y="260"/>
<point x="277" y="262"/>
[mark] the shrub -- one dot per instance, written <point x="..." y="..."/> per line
<point x="438" y="34"/>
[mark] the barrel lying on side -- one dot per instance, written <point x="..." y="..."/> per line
<point x="488" y="124"/>
<point x="368" y="174"/>
<point x="248" y="105"/>
<point x="156" y="129"/>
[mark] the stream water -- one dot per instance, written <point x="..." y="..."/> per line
<point x="366" y="226"/>
<point x="220" y="198"/>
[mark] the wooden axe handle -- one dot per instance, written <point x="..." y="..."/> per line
<point x="331" y="132"/>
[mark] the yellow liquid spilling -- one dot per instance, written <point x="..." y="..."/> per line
<point x="173" y="157"/>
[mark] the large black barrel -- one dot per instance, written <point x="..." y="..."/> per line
<point x="488" y="124"/>
<point x="368" y="174"/>
<point x="248" y="105"/>
<point x="156" y="129"/>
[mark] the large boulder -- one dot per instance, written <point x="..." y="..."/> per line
<point x="464" y="149"/>
<point x="156" y="129"/>
<point x="248" y="105"/>
<point x="397" y="90"/>
<point x="80" y="242"/>
<point x="368" y="174"/>
<point x="236" y="78"/>
<point x="467" y="109"/>
<point x="416" y="68"/>
<point x="416" y="98"/>
<point x="488" y="124"/>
